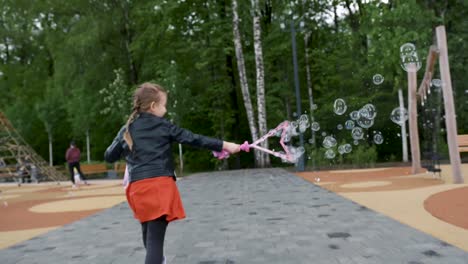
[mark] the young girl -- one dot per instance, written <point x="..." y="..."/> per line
<point x="145" y="141"/>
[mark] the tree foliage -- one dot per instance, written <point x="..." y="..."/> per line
<point x="70" y="67"/>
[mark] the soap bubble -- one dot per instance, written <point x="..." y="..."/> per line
<point x="368" y="111"/>
<point x="357" y="133"/>
<point x="329" y="154"/>
<point x="324" y="133"/>
<point x="341" y="149"/>
<point x="378" y="79"/>
<point x="347" y="148"/>
<point x="378" y="139"/>
<point x="354" y="115"/>
<point x="303" y="123"/>
<point x="436" y="82"/>
<point x="292" y="128"/>
<point x="409" y="58"/>
<point x="411" y="63"/>
<point x="296" y="153"/>
<point x="356" y="142"/>
<point x="399" y="115"/>
<point x="407" y="49"/>
<point x="329" y="142"/>
<point x="339" y="126"/>
<point x="315" y="126"/>
<point x="340" y="106"/>
<point x="364" y="122"/>
<point x="349" y="124"/>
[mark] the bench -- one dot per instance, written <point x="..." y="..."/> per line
<point x="120" y="166"/>
<point x="94" y="168"/>
<point x="10" y="172"/>
<point x="462" y="143"/>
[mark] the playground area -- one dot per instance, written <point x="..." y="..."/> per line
<point x="425" y="202"/>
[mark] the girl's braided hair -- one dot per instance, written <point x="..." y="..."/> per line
<point x="142" y="99"/>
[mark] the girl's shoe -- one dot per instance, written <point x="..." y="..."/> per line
<point x="164" y="260"/>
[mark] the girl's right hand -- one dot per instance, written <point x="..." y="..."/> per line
<point x="231" y="147"/>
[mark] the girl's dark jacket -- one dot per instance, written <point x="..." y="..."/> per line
<point x="151" y="155"/>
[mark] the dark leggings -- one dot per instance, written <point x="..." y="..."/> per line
<point x="153" y="239"/>
<point x="72" y="173"/>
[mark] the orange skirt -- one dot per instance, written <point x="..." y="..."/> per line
<point x="154" y="197"/>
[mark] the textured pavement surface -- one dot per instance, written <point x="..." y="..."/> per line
<point x="245" y="216"/>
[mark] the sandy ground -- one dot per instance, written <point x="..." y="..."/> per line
<point x="426" y="202"/>
<point x="31" y="210"/>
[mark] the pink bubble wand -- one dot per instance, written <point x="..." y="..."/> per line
<point x="283" y="127"/>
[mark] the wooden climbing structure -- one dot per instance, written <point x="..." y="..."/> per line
<point x="18" y="160"/>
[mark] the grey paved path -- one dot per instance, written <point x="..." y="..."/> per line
<point x="249" y="216"/>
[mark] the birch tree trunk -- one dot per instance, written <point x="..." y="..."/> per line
<point x="261" y="108"/>
<point x="243" y="77"/>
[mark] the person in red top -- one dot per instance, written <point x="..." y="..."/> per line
<point x="145" y="142"/>
<point x="73" y="156"/>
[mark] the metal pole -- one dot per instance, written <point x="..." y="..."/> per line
<point x="51" y="156"/>
<point x="404" y="139"/>
<point x="300" y="163"/>
<point x="88" y="151"/>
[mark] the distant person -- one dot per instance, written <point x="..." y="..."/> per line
<point x="73" y="157"/>
<point x="22" y="171"/>
<point x="146" y="141"/>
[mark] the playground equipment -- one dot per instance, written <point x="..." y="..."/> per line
<point x="435" y="52"/>
<point x="18" y="159"/>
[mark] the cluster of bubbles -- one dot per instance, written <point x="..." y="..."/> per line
<point x="295" y="154"/>
<point x="345" y="148"/>
<point x="293" y="129"/>
<point x="359" y="120"/>
<point x="362" y="119"/>
<point x="410" y="61"/>
<point x="366" y="116"/>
